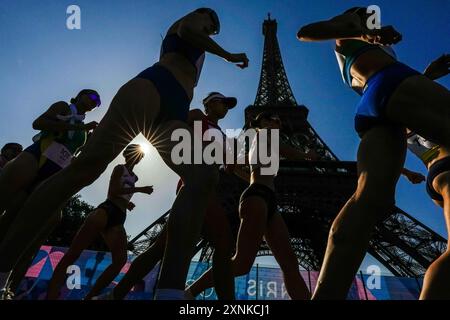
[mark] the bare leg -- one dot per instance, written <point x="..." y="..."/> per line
<point x="423" y="106"/>
<point x="187" y="213"/>
<point x="218" y="232"/>
<point x="116" y="240"/>
<point x="119" y="126"/>
<point x="253" y="211"/>
<point x="277" y="237"/>
<point x="92" y="227"/>
<point x="21" y="268"/>
<point x="436" y="284"/>
<point x="146" y="261"/>
<point x="141" y="266"/>
<point x="16" y="176"/>
<point x="10" y="213"/>
<point x="381" y="156"/>
<point x="132" y="111"/>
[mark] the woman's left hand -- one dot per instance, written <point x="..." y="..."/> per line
<point x="438" y="68"/>
<point x="131" y="206"/>
<point x="415" y="177"/>
<point x="386" y="36"/>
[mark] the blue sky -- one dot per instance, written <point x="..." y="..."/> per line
<point x="43" y="62"/>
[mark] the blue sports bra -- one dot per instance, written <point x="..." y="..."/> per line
<point x="351" y="50"/>
<point x="173" y="43"/>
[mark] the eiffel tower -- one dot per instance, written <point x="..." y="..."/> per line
<point x="310" y="194"/>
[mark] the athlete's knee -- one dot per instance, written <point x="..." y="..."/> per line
<point x="442" y="264"/>
<point x="446" y="257"/>
<point x="340" y="235"/>
<point x="348" y="233"/>
<point x="375" y="194"/>
<point x="442" y="185"/>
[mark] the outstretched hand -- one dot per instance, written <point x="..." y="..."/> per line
<point x="131" y="206"/>
<point x="438" y="68"/>
<point x="414" y="177"/>
<point x="240" y="59"/>
<point x="385" y="36"/>
<point x="147" y="190"/>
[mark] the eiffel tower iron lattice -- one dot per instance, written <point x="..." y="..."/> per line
<point x="310" y="194"/>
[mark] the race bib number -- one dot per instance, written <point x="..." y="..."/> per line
<point x="59" y="154"/>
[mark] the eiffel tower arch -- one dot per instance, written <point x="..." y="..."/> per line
<point x="311" y="193"/>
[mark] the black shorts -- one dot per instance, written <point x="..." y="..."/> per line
<point x="47" y="169"/>
<point x="116" y="216"/>
<point x="371" y="109"/>
<point x="436" y="169"/>
<point x="264" y="192"/>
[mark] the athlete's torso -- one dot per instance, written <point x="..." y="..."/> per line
<point x="359" y="61"/>
<point x="60" y="147"/>
<point x="182" y="59"/>
<point x="127" y="180"/>
<point x="256" y="166"/>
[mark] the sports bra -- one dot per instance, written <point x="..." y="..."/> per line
<point x="73" y="139"/>
<point x="422" y="148"/>
<point x="196" y="56"/>
<point x="350" y="51"/>
<point x="253" y="154"/>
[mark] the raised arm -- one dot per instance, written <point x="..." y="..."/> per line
<point x="115" y="185"/>
<point x="345" y="26"/>
<point x="351" y="25"/>
<point x="48" y="121"/>
<point x="413" y="177"/>
<point x="197" y="27"/>
<point x="438" y="68"/>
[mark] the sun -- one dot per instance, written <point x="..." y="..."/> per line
<point x="145" y="147"/>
